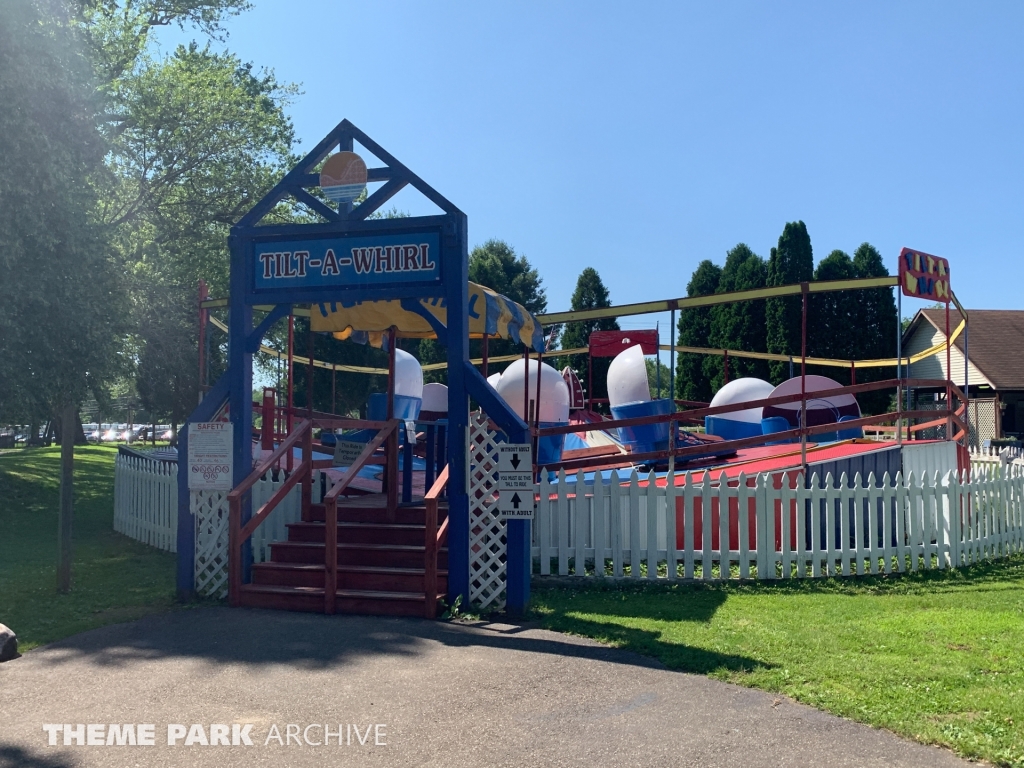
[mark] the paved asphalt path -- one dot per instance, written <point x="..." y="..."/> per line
<point x="446" y="695"/>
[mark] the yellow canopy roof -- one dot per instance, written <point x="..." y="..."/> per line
<point x="369" y="321"/>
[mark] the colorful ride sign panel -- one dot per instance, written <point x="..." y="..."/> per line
<point x="924" y="276"/>
<point x="347" y="261"/>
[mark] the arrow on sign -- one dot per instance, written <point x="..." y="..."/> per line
<point x="514" y="461"/>
<point x="516" y="501"/>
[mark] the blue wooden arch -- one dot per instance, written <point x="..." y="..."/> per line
<point x="250" y="242"/>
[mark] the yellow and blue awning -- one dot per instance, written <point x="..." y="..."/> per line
<point x="368" y="322"/>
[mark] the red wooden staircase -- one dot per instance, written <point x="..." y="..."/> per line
<point x="380" y="565"/>
<point x="366" y="554"/>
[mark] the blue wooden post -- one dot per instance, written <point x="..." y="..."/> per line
<point x="186" y="563"/>
<point x="456" y="280"/>
<point x="240" y="383"/>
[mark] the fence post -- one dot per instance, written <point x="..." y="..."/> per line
<point x="743" y="525"/>
<point x="600" y="544"/>
<point x="634" y="525"/>
<point x="580" y="518"/>
<point x="705" y="514"/>
<point x="765" y="542"/>
<point x="688" y="496"/>
<point x="542" y="524"/>
<point x="651" y="500"/>
<point x="671" y="563"/>
<point x="563" y="525"/>
<point x="615" y="521"/>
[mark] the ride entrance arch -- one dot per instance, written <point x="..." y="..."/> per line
<point x="415" y="267"/>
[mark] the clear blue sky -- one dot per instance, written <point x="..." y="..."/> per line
<point x="640" y="139"/>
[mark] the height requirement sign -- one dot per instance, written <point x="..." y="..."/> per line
<point x="515" y="481"/>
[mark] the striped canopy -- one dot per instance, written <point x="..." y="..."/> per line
<point x="368" y="321"/>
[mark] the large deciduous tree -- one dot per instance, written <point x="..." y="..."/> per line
<point x="590" y="293"/>
<point x="62" y="322"/>
<point x="497" y="266"/>
<point x="791" y="262"/>
<point x="196" y="139"/>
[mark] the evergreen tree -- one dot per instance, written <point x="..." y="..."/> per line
<point x="832" y="316"/>
<point x="875" y="326"/>
<point x="740" y="325"/>
<point x="590" y="293"/>
<point x="791" y="262"/>
<point x="694" y="372"/>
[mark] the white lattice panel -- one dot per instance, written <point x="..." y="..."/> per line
<point x="487" y="551"/>
<point x="210" y="509"/>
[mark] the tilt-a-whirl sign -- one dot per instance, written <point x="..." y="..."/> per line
<point x="924" y="276"/>
<point x="361" y="260"/>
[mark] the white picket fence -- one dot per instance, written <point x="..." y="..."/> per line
<point x="640" y="530"/>
<point x="995" y="453"/>
<point x="146" y="505"/>
<point x="146" y="500"/>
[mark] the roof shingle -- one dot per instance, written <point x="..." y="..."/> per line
<point x="996" y="342"/>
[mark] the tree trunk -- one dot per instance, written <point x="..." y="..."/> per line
<point x="65" y="516"/>
<point x="79" y="430"/>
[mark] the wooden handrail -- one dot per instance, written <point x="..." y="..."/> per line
<point x="433" y="538"/>
<point x="268" y="463"/>
<point x="238" y="535"/>
<point x="331" y="512"/>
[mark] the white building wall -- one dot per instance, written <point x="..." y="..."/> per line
<point x="934" y="367"/>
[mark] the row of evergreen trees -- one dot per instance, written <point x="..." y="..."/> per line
<point x="846" y="325"/>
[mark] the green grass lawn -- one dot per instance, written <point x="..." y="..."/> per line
<point x="936" y="657"/>
<point x="114" y="578"/>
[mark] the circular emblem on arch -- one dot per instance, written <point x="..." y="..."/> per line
<point x="343" y="177"/>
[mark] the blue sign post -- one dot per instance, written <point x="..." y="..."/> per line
<point x="347" y="258"/>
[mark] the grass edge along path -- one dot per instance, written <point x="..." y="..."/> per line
<point x="933" y="656"/>
<point x="114" y="579"/>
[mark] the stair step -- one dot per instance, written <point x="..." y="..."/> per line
<point x="393" y="555"/>
<point x="309" y="599"/>
<point x="375" y="602"/>
<point x="360" y="533"/>
<point x="374" y="512"/>
<point x="360" y="577"/>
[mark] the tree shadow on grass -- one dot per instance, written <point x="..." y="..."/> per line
<point x="660" y="602"/>
<point x="684" y="658"/>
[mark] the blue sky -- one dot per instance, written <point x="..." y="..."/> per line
<point x="641" y="138"/>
